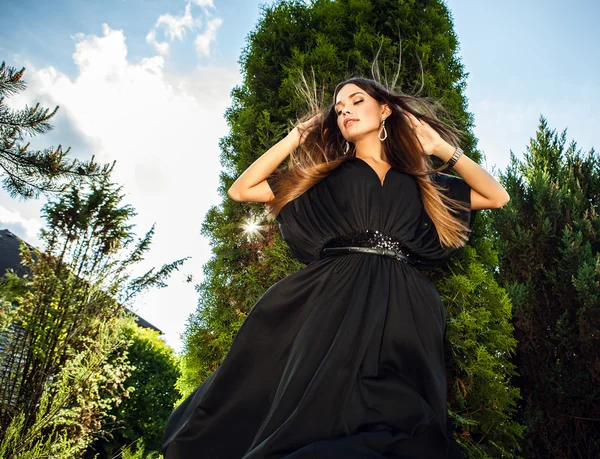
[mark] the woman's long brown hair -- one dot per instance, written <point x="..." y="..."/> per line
<point x="322" y="150"/>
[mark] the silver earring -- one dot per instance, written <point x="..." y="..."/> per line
<point x="347" y="147"/>
<point x="384" y="130"/>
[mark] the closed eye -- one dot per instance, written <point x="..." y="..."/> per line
<point x="357" y="102"/>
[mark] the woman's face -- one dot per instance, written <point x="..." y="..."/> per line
<point x="358" y="114"/>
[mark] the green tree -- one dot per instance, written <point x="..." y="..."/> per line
<point x="142" y="415"/>
<point x="58" y="425"/>
<point x="338" y="39"/>
<point x="27" y="173"/>
<point x="64" y="361"/>
<point x="549" y="253"/>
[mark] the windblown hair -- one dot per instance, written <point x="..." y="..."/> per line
<point x="322" y="150"/>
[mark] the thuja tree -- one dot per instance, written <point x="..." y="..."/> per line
<point x="26" y="173"/>
<point x="143" y="414"/>
<point x="549" y="252"/>
<point x="64" y="360"/>
<point x="335" y="40"/>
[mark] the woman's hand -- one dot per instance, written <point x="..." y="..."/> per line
<point x="301" y="130"/>
<point x="431" y="141"/>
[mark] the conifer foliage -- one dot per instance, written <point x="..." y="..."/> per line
<point x="336" y="40"/>
<point x="27" y="173"/>
<point x="549" y="254"/>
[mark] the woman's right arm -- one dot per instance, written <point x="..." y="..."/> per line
<point x="251" y="185"/>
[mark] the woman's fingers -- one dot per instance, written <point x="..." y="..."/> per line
<point x="411" y="120"/>
<point x="416" y="121"/>
<point x="312" y="122"/>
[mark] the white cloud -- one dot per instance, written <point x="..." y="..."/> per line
<point x="204" y="3"/>
<point x="175" y="28"/>
<point x="161" y="46"/>
<point x="163" y="130"/>
<point x="25" y="228"/>
<point x="203" y="41"/>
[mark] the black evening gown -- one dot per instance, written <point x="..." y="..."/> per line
<point x="345" y="357"/>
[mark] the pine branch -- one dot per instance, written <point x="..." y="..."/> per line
<point x="151" y="279"/>
<point x="27" y="174"/>
<point x="10" y="81"/>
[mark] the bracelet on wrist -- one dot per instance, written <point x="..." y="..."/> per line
<point x="457" y="154"/>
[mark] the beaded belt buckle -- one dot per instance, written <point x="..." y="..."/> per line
<point x="388" y="252"/>
<point x="369" y="241"/>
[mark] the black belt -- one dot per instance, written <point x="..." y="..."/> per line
<point x="388" y="252"/>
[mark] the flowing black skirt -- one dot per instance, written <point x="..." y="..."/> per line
<point x="342" y="359"/>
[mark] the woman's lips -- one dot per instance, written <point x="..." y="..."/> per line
<point x="350" y="122"/>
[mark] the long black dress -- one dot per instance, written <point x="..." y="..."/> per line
<point x="345" y="357"/>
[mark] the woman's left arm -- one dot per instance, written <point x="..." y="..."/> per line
<point x="486" y="191"/>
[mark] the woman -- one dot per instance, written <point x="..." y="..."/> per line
<point x="345" y="357"/>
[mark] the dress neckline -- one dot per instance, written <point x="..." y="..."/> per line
<point x="381" y="183"/>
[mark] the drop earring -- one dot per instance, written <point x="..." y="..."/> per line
<point x="384" y="131"/>
<point x="347" y="147"/>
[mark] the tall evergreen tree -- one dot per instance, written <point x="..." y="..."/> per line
<point x="549" y="253"/>
<point x="27" y="173"/>
<point x="337" y="39"/>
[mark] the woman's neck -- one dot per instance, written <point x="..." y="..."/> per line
<point x="370" y="147"/>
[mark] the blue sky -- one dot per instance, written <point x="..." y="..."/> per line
<point x="146" y="82"/>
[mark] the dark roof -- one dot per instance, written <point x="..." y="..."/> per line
<point x="10" y="258"/>
<point x="9" y="253"/>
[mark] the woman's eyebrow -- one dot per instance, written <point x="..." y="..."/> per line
<point x="349" y="97"/>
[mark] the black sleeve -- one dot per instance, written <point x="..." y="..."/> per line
<point x="457" y="188"/>
<point x="272" y="181"/>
